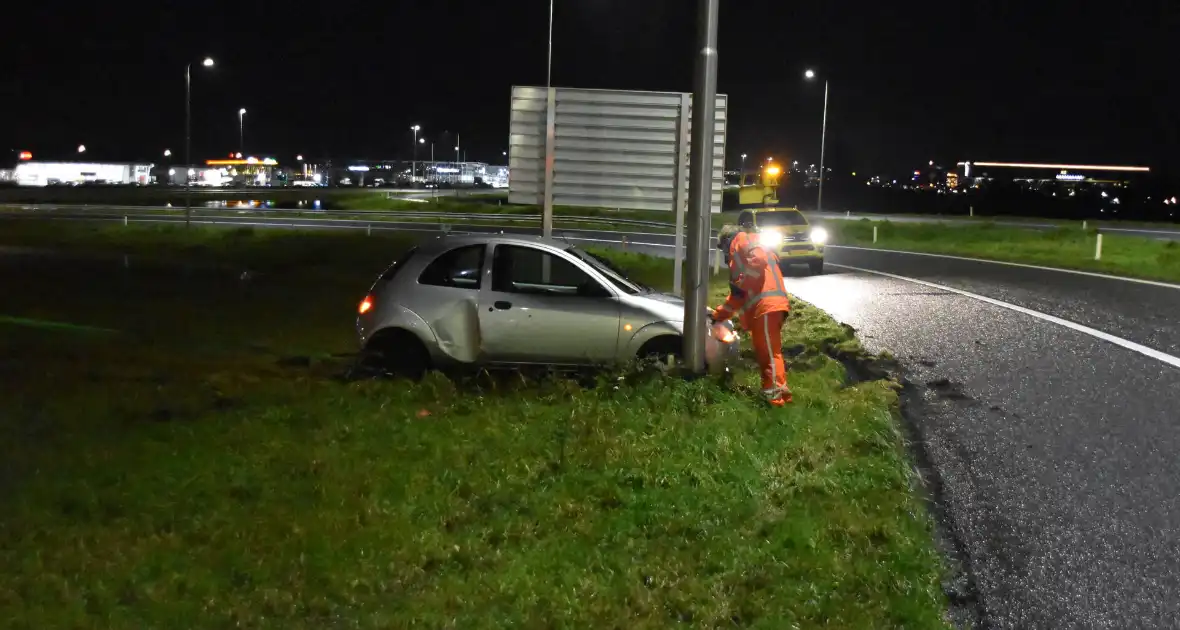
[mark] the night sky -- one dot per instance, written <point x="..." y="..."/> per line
<point x="1075" y="81"/>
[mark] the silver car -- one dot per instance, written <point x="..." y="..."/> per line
<point x="503" y="299"/>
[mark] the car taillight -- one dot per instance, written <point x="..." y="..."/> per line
<point x="366" y="305"/>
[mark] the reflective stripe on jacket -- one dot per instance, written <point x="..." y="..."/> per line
<point x="755" y="271"/>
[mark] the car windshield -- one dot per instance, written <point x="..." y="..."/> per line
<point x="611" y="272"/>
<point x="777" y="219"/>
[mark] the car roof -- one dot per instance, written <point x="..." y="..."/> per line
<point x="775" y="209"/>
<point x="448" y="241"/>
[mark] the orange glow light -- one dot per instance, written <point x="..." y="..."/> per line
<point x="366" y="305"/>
<point x="26" y="155"/>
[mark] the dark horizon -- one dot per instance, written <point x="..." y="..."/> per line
<point x="1061" y="82"/>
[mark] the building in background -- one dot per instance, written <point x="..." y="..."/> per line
<point x="31" y="173"/>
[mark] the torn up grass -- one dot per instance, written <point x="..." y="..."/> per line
<point x="182" y="476"/>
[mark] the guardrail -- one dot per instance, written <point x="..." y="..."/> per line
<point x="392" y="214"/>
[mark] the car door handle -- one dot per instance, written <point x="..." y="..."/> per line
<point x="503" y="306"/>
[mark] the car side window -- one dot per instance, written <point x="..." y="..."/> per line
<point x="459" y="268"/>
<point x="518" y="269"/>
<point x="746" y="220"/>
<point x="750" y="179"/>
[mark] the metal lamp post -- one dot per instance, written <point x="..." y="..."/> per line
<point x="700" y="184"/>
<point x="242" y="130"/>
<point x="188" y="136"/>
<point x="414" y="162"/>
<point x="819" y="204"/>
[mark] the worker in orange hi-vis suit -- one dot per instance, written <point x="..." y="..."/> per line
<point x="756" y="289"/>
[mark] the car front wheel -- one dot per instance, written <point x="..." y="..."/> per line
<point x="816" y="267"/>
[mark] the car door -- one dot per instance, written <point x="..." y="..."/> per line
<point x="447" y="299"/>
<point x="543" y="307"/>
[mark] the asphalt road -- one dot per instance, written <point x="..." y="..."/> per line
<point x="1050" y="451"/>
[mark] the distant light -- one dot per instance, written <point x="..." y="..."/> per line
<point x="1070" y="177"/>
<point x="191" y="172"/>
<point x="1104" y="195"/>
<point x="167" y="152"/>
<point x="358" y="169"/>
<point x="743" y="156"/>
<point x="769" y="159"/>
<point x="416" y="128"/>
<point x="81" y="148"/>
<point x="810" y="74"/>
<point x="773" y="170"/>
<point x="1071" y="167"/>
<point x="931" y="162"/>
<point x="895" y="181"/>
<point x="171" y="172"/>
<point x="854" y="173"/>
<point x="299" y="158"/>
<point x="238" y="155"/>
<point x="456" y="148"/>
<point x="317" y="178"/>
<point x="505" y="153"/>
<point x="421" y="140"/>
<point x="1115" y="201"/>
<point x="208" y="62"/>
<point x="242" y="111"/>
<point x="26" y="155"/>
<point x="917" y="172"/>
<point x="1173" y="200"/>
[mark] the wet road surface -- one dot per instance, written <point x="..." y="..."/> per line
<point x="1053" y="451"/>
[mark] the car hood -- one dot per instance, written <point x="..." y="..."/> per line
<point x="662" y="306"/>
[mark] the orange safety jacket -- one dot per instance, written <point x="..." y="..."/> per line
<point x="756" y="284"/>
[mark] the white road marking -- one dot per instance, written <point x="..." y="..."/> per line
<point x="1093" y="332"/>
<point x="1076" y="272"/>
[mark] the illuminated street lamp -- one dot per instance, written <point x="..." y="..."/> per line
<point x="167" y="152"/>
<point x="819" y="204"/>
<point x="414" y="162"/>
<point x="188" y="135"/>
<point x="299" y="158"/>
<point x="81" y="148"/>
<point x="242" y="130"/>
<point x="743" y="161"/>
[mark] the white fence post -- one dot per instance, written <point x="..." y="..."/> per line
<point x="1098" y="249"/>
<point x="124" y="220"/>
<point x="1084" y="225"/>
<point x="716" y="261"/>
<point x="847" y="214"/>
<point x="972" y="210"/>
<point x="874" y="234"/>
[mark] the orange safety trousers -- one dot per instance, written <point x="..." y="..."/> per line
<point x="766" y="335"/>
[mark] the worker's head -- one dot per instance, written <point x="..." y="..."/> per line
<point x="740" y="243"/>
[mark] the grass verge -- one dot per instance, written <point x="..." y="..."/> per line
<point x="204" y="467"/>
<point x="1066" y="248"/>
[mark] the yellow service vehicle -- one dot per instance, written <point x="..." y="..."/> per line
<point x="784" y="229"/>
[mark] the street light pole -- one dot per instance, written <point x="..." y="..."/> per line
<point x="700" y="185"/>
<point x="743" y="163"/>
<point x="549" y="63"/>
<point x="242" y="130"/>
<point x="188" y="137"/>
<point x="414" y="161"/>
<point x="819" y="205"/>
<point x="823" y="136"/>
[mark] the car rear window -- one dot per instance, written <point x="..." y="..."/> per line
<point x="389" y="273"/>
<point x="776" y="219"/>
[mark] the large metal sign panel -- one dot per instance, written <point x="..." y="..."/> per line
<point x="610" y="148"/>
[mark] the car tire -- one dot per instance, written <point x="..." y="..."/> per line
<point x="398" y="353"/>
<point x="816" y="267"/>
<point x="659" y="348"/>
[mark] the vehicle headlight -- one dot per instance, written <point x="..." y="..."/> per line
<point x="770" y="238"/>
<point x="819" y="236"/>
